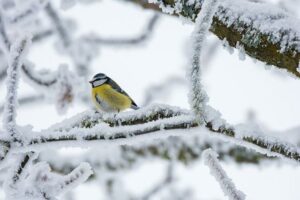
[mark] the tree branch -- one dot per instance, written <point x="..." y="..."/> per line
<point x="266" y="32"/>
<point x="150" y="121"/>
<point x="126" y="41"/>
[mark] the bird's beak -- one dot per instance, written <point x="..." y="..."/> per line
<point x="91" y="81"/>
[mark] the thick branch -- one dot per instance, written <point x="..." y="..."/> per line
<point x="186" y="151"/>
<point x="266" y="32"/>
<point x="151" y="121"/>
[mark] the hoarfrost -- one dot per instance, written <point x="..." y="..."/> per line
<point x="197" y="95"/>
<point x="211" y="160"/>
<point x="15" y="60"/>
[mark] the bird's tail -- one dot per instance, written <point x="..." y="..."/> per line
<point x="134" y="107"/>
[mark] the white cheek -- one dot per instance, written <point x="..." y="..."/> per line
<point x="98" y="83"/>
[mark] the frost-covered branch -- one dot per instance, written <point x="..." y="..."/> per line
<point x="58" y="24"/>
<point x="26" y="100"/>
<point x="266" y="32"/>
<point x="128" y="41"/>
<point x="29" y="11"/>
<point x="154" y="121"/>
<point x="185" y="150"/>
<point x="79" y="52"/>
<point x="37" y="78"/>
<point x="15" y="59"/>
<point x="37" y="37"/>
<point x="26" y="69"/>
<point x="5" y="43"/>
<point x="29" y="180"/>
<point x="162" y="89"/>
<point x="21" y="161"/>
<point x="228" y="187"/>
<point x="168" y="179"/>
<point x="197" y="96"/>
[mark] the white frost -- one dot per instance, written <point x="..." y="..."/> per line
<point x="15" y="60"/>
<point x="197" y="95"/>
<point x="211" y="160"/>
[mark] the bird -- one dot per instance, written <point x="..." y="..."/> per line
<point x="108" y="96"/>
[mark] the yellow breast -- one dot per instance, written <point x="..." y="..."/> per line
<point x="111" y="98"/>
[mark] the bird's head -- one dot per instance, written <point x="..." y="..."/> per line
<point x="98" y="79"/>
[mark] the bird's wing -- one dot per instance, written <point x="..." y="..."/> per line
<point x="116" y="87"/>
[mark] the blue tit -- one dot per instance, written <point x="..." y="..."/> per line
<point x="108" y="95"/>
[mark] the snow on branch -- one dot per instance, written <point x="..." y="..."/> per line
<point x="186" y="150"/>
<point x="16" y="173"/>
<point x="228" y="187"/>
<point x="36" y="181"/>
<point x="79" y="175"/>
<point x="17" y="51"/>
<point x="153" y="122"/>
<point x="197" y="96"/>
<point x="266" y="32"/>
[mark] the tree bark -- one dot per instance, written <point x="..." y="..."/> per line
<point x="256" y="42"/>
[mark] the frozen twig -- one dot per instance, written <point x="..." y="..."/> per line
<point x="39" y="79"/>
<point x="70" y="47"/>
<point x="197" y="96"/>
<point x="27" y="70"/>
<point x="228" y="187"/>
<point x="76" y="177"/>
<point x="132" y="41"/>
<point x="5" y="43"/>
<point x="163" y="89"/>
<point x="37" y="37"/>
<point x="26" y="100"/>
<point x="36" y="181"/>
<point x="58" y="24"/>
<point x="17" y="52"/>
<point x="30" y="11"/>
<point x="22" y="161"/>
<point x="163" y="184"/>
